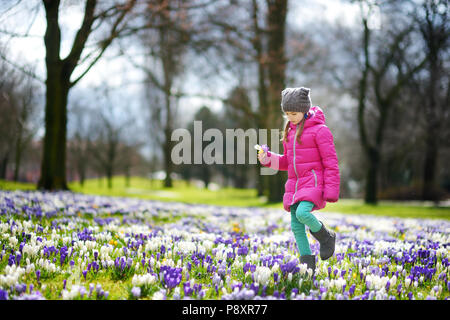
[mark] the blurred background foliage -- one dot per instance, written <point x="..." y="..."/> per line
<point x="91" y="92"/>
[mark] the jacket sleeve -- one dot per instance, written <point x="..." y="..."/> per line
<point x="281" y="164"/>
<point x="331" y="176"/>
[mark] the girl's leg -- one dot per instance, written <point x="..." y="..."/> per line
<point x="304" y="215"/>
<point x="299" y="231"/>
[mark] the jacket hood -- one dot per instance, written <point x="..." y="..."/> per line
<point x="315" y="117"/>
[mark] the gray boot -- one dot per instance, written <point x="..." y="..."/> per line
<point x="310" y="261"/>
<point x="327" y="239"/>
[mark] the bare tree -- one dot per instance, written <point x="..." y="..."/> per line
<point x="103" y="17"/>
<point x="59" y="82"/>
<point x="166" y="42"/>
<point x="9" y="111"/>
<point x="432" y="19"/>
<point x="376" y="86"/>
<point x="253" y="38"/>
<point x="79" y="138"/>
<point x="18" y="95"/>
<point x="107" y="144"/>
<point x="26" y="127"/>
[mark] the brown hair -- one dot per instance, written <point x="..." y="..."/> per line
<point x="297" y="134"/>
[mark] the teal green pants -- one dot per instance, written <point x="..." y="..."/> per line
<point x="300" y="216"/>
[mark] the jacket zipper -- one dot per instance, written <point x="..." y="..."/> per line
<point x="296" y="181"/>
<point x="315" y="177"/>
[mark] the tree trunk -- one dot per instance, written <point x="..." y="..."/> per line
<point x="81" y="169"/>
<point x="261" y="185"/>
<point x="168" y="165"/>
<point x="430" y="164"/>
<point x="127" y="176"/>
<point x="372" y="177"/>
<point x="109" y="176"/>
<point x="53" y="167"/>
<point x="206" y="176"/>
<point x="370" y="196"/>
<point x="276" y="23"/>
<point x="432" y="131"/>
<point x="3" y="167"/>
<point x="18" y="156"/>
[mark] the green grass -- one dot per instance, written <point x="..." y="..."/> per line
<point x="388" y="208"/>
<point x="11" y="185"/>
<point x="182" y="192"/>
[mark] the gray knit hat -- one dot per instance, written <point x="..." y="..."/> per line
<point x="295" y="100"/>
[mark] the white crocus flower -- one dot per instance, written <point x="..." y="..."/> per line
<point x="407" y="282"/>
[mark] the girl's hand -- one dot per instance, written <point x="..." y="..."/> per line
<point x="262" y="157"/>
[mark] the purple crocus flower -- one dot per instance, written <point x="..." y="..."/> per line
<point x="129" y="262"/>
<point x="352" y="289"/>
<point x="38" y="274"/>
<point x="3" y="294"/>
<point x="84" y="274"/>
<point x="82" y="292"/>
<point x="21" y="288"/>
<point x="11" y="260"/>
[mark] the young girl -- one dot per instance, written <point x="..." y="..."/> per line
<point x="313" y="172"/>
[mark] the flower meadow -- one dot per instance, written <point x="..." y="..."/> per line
<point x="64" y="245"/>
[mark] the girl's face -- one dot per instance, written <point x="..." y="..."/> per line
<point x="294" y="117"/>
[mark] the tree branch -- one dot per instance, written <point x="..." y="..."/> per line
<point x="105" y="43"/>
<point x="21" y="68"/>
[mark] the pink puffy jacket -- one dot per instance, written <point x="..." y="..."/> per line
<point x="315" y="176"/>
